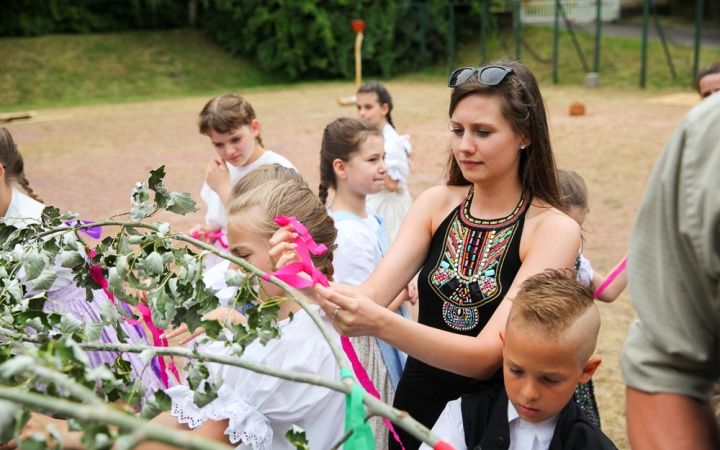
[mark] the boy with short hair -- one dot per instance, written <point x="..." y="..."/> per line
<point x="548" y="345"/>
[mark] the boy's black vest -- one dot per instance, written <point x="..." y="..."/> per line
<point x="486" y="425"/>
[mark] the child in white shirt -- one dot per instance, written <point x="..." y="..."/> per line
<point x="234" y="131"/>
<point x="548" y="345"/>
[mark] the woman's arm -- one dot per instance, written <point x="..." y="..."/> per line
<point x="551" y="242"/>
<point x="616" y="286"/>
<point x="410" y="248"/>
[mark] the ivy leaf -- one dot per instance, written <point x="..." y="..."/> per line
<point x="13" y="288"/>
<point x="33" y="263"/>
<point x="154" y="263"/>
<point x="297" y="437"/>
<point x="93" y="330"/>
<point x="44" y="281"/>
<point x="140" y="212"/>
<point x="181" y="203"/>
<point x="235" y="278"/>
<point x="71" y="259"/>
<point x="8" y="415"/>
<point x="69" y="324"/>
<point x="156" y="404"/>
<point x="162" y="307"/>
<point x="16" y="366"/>
<point x="212" y="328"/>
<point x="123" y="246"/>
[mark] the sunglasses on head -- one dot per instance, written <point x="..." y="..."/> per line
<point x="488" y="75"/>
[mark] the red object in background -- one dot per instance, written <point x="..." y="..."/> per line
<point x="358" y="26"/>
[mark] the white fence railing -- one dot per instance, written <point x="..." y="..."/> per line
<point x="583" y="11"/>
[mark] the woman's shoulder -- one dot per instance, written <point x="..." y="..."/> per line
<point x="543" y="221"/>
<point x="442" y="198"/>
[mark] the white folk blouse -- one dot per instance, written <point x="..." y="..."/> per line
<point x="261" y="408"/>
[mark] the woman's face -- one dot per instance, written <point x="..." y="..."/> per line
<point x="369" y="108"/>
<point x="245" y="242"/>
<point x="483" y="142"/>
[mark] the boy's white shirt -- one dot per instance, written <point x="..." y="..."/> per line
<point x="523" y="435"/>
<point x="216" y="210"/>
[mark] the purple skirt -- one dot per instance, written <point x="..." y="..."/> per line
<point x="71" y="299"/>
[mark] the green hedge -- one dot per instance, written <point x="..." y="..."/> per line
<point x="40" y="17"/>
<point x="312" y="39"/>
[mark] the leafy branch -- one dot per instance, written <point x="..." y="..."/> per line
<point x="49" y="346"/>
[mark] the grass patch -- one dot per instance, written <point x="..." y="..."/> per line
<point x="619" y="59"/>
<point x="73" y="69"/>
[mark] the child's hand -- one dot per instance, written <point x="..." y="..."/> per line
<point x="220" y="314"/>
<point x="200" y="232"/>
<point x="218" y="178"/>
<point x="283" y="248"/>
<point x="412" y="291"/>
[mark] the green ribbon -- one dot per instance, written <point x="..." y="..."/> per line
<point x="362" y="437"/>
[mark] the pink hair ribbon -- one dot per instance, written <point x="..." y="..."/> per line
<point x="219" y="236"/>
<point x="290" y="275"/>
<point x="96" y="274"/>
<point x="611" y="277"/>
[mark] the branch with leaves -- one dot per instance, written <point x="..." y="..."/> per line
<point x="44" y="350"/>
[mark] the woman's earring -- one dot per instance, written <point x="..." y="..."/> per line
<point x="522" y="147"/>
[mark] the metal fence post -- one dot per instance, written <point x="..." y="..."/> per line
<point x="483" y="32"/>
<point x="556" y="38"/>
<point x="598" y="34"/>
<point x="451" y="36"/>
<point x="517" y="30"/>
<point x="698" y="33"/>
<point x="643" y="58"/>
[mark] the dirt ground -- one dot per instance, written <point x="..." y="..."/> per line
<point x="89" y="164"/>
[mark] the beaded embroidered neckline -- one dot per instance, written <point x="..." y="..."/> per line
<point x="468" y="219"/>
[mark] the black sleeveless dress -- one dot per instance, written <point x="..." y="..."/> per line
<point x="468" y="271"/>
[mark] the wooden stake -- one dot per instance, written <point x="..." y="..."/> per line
<point x="358" y="60"/>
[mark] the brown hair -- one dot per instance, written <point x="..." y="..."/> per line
<point x="226" y="113"/>
<point x="290" y="198"/>
<point x="552" y="302"/>
<point x="262" y="175"/>
<point x="12" y="161"/>
<point x="710" y="69"/>
<point x="573" y="189"/>
<point x="523" y="106"/>
<point x="383" y="96"/>
<point x="340" y="140"/>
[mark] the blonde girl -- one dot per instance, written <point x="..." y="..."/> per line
<point x="256" y="409"/>
<point x="392" y="203"/>
<point x="229" y="121"/>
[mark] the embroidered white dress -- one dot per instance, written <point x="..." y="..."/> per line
<point x="261" y="408"/>
<point x="393" y="206"/>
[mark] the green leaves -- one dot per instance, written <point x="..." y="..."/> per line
<point x="297" y="437"/>
<point x="159" y="402"/>
<point x="33" y="263"/>
<point x="45" y="280"/>
<point x="175" y="202"/>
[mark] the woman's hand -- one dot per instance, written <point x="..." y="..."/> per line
<point x="357" y="314"/>
<point x="220" y="314"/>
<point x="283" y="249"/>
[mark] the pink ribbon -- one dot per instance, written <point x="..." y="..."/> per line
<point x="96" y="274"/>
<point x="611" y="277"/>
<point x="217" y="235"/>
<point x="93" y="232"/>
<point x="290" y="275"/>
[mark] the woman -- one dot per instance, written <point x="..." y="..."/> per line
<point x="498" y="220"/>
